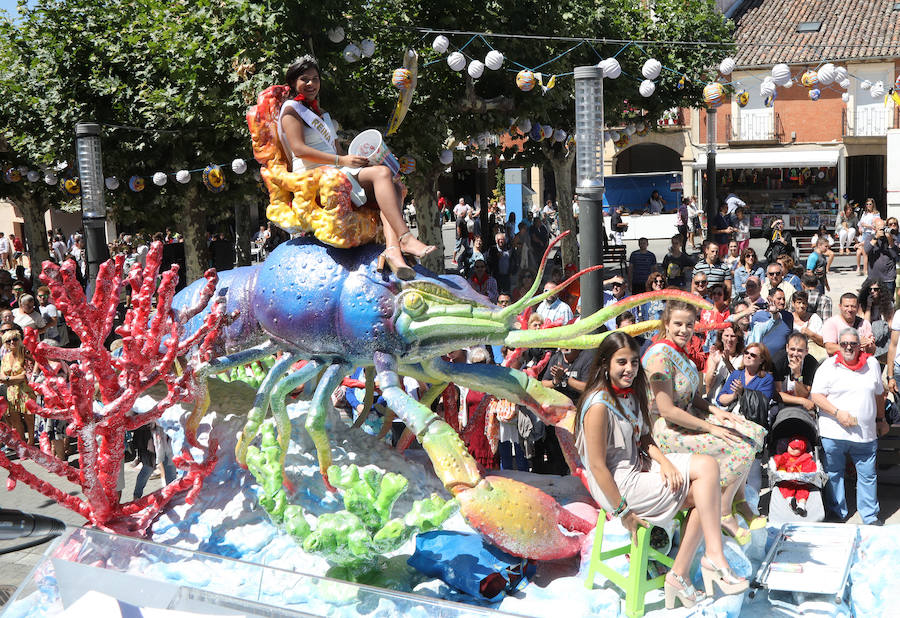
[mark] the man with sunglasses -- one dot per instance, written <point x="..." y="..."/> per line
<point x="700" y="285"/>
<point x="752" y="289"/>
<point x="849" y="394"/>
<point x="677" y="264"/>
<point x="883" y="254"/>
<point x="847" y="317"/>
<point x="775" y="279"/>
<point x="772" y="326"/>
<point x="711" y="265"/>
<point x="617" y="292"/>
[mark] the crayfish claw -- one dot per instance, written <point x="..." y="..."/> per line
<point x="521" y="519"/>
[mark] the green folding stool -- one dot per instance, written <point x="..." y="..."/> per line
<point x="636" y="584"/>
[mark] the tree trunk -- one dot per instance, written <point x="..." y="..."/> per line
<point x="562" y="172"/>
<point x="429" y="229"/>
<point x="242" y="230"/>
<point x="33" y="210"/>
<point x="193" y="226"/>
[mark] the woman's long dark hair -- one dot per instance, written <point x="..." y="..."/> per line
<point x="598" y="378"/>
<point x="297" y="68"/>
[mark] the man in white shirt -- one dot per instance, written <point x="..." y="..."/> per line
<point x="5" y="249"/>
<point x="775" y="279"/>
<point x="25" y="315"/>
<point x="59" y="249"/>
<point x="461" y="209"/>
<point x="552" y="309"/>
<point x="734" y="202"/>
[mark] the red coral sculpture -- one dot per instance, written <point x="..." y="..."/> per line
<point x="97" y="393"/>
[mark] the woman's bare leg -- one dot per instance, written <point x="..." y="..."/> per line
<point x="830" y="255"/>
<point x="378" y="183"/>
<point x="703" y="520"/>
<point x="29" y="428"/>
<point x="14" y="420"/>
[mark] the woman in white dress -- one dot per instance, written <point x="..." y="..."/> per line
<point x="630" y="477"/>
<point x="308" y="136"/>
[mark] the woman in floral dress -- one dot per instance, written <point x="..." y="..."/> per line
<point x="17" y="364"/>
<point x="683" y="422"/>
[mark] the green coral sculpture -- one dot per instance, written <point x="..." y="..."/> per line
<point x="356" y="538"/>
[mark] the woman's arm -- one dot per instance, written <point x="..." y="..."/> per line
<point x="661" y="388"/>
<point x="293" y="130"/>
<point x="731" y="389"/>
<point x="670" y="474"/>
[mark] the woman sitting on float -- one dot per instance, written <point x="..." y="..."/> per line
<point x="630" y="477"/>
<point x="309" y="138"/>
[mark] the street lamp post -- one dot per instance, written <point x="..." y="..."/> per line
<point x="712" y="207"/>
<point x="93" y="204"/>
<point x="589" y="168"/>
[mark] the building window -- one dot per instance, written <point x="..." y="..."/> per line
<point x="809" y="26"/>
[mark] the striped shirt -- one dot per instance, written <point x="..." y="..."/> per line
<point x="715" y="273"/>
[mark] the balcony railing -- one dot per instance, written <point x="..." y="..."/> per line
<point x="754" y="127"/>
<point x="869" y="121"/>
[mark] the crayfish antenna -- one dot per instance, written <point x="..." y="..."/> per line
<point x="520" y="304"/>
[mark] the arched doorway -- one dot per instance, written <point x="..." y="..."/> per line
<point x="644" y="158"/>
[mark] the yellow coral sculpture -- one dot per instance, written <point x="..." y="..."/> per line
<point x="316" y="200"/>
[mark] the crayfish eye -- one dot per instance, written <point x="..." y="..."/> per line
<point x="414" y="304"/>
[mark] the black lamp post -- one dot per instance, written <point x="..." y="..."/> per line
<point x="589" y="167"/>
<point x="93" y="203"/>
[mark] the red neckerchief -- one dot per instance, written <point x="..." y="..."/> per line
<point x="478" y="281"/>
<point x="859" y="364"/>
<point x="677" y="347"/>
<point x="621" y="392"/>
<point x="313" y="105"/>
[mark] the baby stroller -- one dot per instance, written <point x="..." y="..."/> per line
<point x="789" y="423"/>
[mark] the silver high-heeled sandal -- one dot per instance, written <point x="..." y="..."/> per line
<point x="404" y="273"/>
<point x="429" y="249"/>
<point x="728" y="582"/>
<point x="687" y="594"/>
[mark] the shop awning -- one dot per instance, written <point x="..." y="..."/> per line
<point x="771" y="157"/>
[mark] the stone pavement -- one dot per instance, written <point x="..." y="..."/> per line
<point x="15" y="567"/>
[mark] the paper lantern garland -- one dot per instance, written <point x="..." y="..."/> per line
<point x="367" y="48"/>
<point x="877" y="90"/>
<point x="407" y="165"/>
<point x="845" y="97"/>
<point x="401" y="79"/>
<point x="767" y="88"/>
<point x="159" y="179"/>
<point x="826" y="74"/>
<point x="525" y="80"/>
<point x="238" y="166"/>
<point x="33" y="176"/>
<point x="136" y="184"/>
<point x="810" y="79"/>
<point x="352" y="53"/>
<point x="611" y="68"/>
<point x="493" y="60"/>
<point x="72" y="186"/>
<point x="441" y="44"/>
<point x="336" y="34"/>
<point x="112" y="183"/>
<point x="781" y="74"/>
<point x="897" y="83"/>
<point x="651" y="69"/>
<point x="814" y="94"/>
<point x="456" y="61"/>
<point x="446" y="157"/>
<point x="183" y="176"/>
<point x="213" y="178"/>
<point x="12" y="175"/>
<point x="743" y="97"/>
<point x="647" y="88"/>
<point x="50" y="178"/>
<point x="713" y="94"/>
<point x="726" y="67"/>
<point x="476" y="69"/>
<point x="524" y="126"/>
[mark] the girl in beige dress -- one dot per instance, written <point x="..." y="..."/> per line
<point x="630" y="477"/>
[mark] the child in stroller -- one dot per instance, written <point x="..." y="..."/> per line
<point x="794" y="426"/>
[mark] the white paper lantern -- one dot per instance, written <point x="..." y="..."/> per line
<point x="613" y="135"/>
<point x="351" y="53"/>
<point x="788" y="83"/>
<point x="845" y="97"/>
<point x="440" y="44"/>
<point x="112" y="183"/>
<point x="877" y="90"/>
<point x="840" y="74"/>
<point x="238" y="166"/>
<point x="767" y="88"/>
<point x="159" y="179"/>
<point x="336" y="34"/>
<point x="844" y="83"/>
<point x="183" y="176"/>
<point x="456" y="61"/>
<point x="546" y="131"/>
<point x="781" y="74"/>
<point x="611" y="68"/>
<point x="726" y="66"/>
<point x="367" y="48"/>
<point x="826" y="74"/>
<point x="866" y="84"/>
<point x="493" y="60"/>
<point x="559" y="135"/>
<point x="22" y="169"/>
<point x="446" y="157"/>
<point x="647" y="88"/>
<point x="630" y="130"/>
<point x="476" y="68"/>
<point x="50" y="178"/>
<point x="524" y="125"/>
<point x="33" y="176"/>
<point x="651" y="68"/>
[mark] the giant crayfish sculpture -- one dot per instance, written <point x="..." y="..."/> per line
<point x="334" y="309"/>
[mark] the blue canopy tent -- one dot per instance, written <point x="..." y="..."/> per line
<point x="632" y="191"/>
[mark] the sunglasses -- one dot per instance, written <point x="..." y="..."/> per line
<point x="700" y="281"/>
<point x="751" y="354"/>
<point x="616" y="285"/>
<point x="13" y="338"/>
<point x="849" y="345"/>
<point x="875" y="289"/>
<point x="658" y="282"/>
<point x="773" y="273"/>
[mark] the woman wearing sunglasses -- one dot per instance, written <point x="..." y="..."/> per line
<point x="16" y="365"/>
<point x="747" y="267"/>
<point x="653" y="310"/>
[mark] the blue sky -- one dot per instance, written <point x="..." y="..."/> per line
<point x="10" y="6"/>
